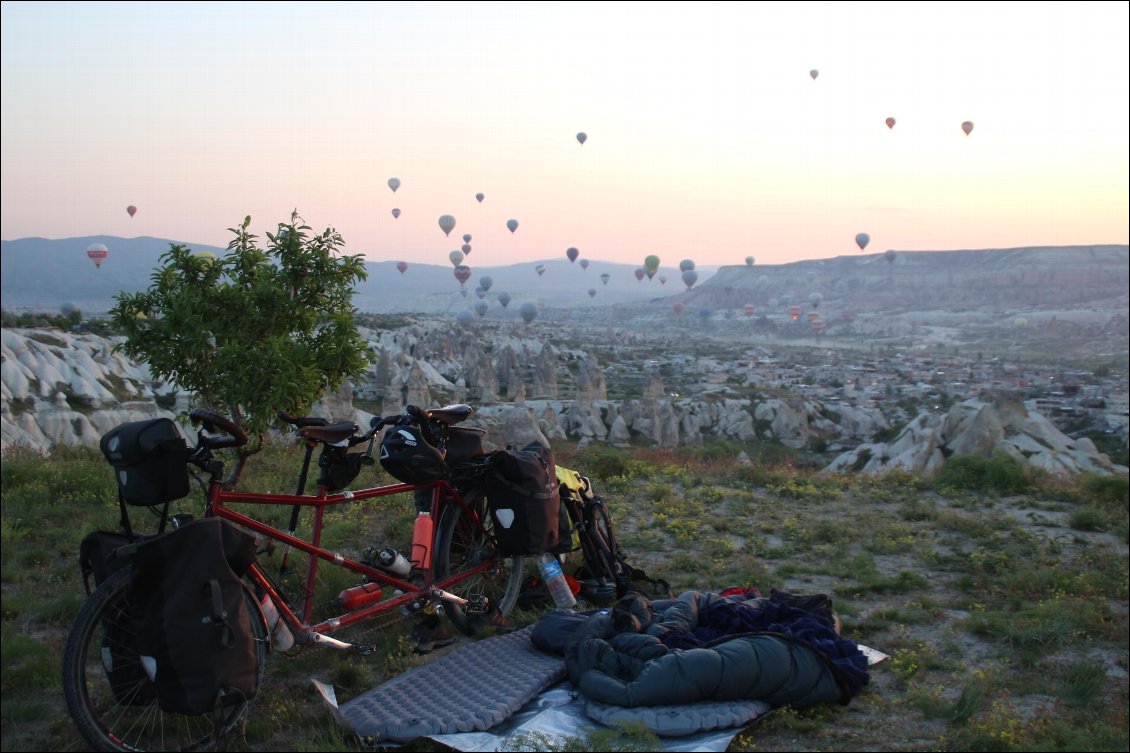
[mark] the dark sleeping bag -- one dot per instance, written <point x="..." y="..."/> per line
<point x="630" y="669"/>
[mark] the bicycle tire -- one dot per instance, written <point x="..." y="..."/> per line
<point x="460" y="544"/>
<point x="113" y="718"/>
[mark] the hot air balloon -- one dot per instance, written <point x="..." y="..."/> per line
<point x="815" y="299"/>
<point x="967" y="126"/>
<point x="528" y="311"/>
<point x="582" y="137"/>
<point x="572" y="253"/>
<point x="480" y="293"/>
<point x="662" y="279"/>
<point x="690" y="277"/>
<point x="592" y="292"/>
<point x="540" y="269"/>
<point x="97" y="252"/>
<point x="394" y="183"/>
<point x="640" y="273"/>
<point x="679" y="307"/>
<point x="131" y="210"/>
<point x="748" y="309"/>
<point x="446" y="224"/>
<point x="481" y="307"/>
<point x="686" y="264"/>
<point x="749" y="260"/>
<point x="817" y="325"/>
<point x="466" y="237"/>
<point x="504" y="298"/>
<point x="861" y="240"/>
<point x="466" y="248"/>
<point x="814" y="73"/>
<point x="584" y="263"/>
<point x="402" y="266"/>
<point x="651" y="264"/>
<point x="462" y="273"/>
<point x="512" y="225"/>
<point x="890" y="122"/>
<point x="605" y="277"/>
<point x="479" y="197"/>
<point x="486" y="282"/>
<point x="456" y="257"/>
<point x="704" y="313"/>
<point x="395" y="213"/>
<point x="464" y="317"/>
<point x="794" y="312"/>
<point x="889" y="255"/>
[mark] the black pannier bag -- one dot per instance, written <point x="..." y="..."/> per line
<point x="150" y="460"/>
<point x="193" y="620"/>
<point x="408" y="456"/>
<point x="523" y="498"/>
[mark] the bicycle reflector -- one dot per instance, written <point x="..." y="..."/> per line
<point x="408" y="457"/>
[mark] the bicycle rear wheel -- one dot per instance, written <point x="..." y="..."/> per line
<point x="110" y="699"/>
<point x="463" y="543"/>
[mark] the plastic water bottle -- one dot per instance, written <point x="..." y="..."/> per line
<point x="393" y="561"/>
<point x="554" y="578"/>
<point x="358" y="596"/>
<point x="422" y="531"/>
<point x="281" y="637"/>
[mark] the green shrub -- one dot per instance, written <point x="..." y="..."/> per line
<point x="1112" y="489"/>
<point x="1000" y="474"/>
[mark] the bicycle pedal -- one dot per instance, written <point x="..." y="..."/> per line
<point x="362" y="649"/>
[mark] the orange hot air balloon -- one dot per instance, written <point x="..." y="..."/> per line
<point x="967" y="126"/>
<point x="131" y="210"/>
<point x="890" y="122"/>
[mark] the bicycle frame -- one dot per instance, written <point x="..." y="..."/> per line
<point x="413" y="596"/>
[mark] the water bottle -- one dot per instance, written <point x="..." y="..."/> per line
<point x="281" y="637"/>
<point x="422" y="531"/>
<point x="554" y="578"/>
<point x="393" y="561"/>
<point x="358" y="596"/>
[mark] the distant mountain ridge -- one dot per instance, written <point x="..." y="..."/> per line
<point x="41" y="274"/>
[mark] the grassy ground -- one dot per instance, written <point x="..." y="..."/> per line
<point x="1000" y="596"/>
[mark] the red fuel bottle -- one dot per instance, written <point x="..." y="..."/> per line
<point x="358" y="596"/>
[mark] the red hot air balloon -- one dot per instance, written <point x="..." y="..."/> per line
<point x="890" y="122"/>
<point x="402" y="266"/>
<point x="131" y="210"/>
<point x="967" y="126"/>
<point x="97" y="252"/>
<point x="466" y="248"/>
<point x="572" y="253"/>
<point x="462" y="273"/>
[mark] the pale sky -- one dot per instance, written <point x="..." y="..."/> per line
<point x="708" y="138"/>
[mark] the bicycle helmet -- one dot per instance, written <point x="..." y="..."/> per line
<point x="408" y="457"/>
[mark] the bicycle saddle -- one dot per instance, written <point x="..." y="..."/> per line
<point x="449" y="414"/>
<point x="331" y="434"/>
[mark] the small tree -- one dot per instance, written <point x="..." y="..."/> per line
<point x="254" y="332"/>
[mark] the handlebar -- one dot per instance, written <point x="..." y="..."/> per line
<point x="212" y="421"/>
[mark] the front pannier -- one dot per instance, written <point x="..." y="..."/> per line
<point x="150" y="460"/>
<point x="524" y="502"/>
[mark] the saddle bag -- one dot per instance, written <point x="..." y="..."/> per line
<point x="150" y="460"/>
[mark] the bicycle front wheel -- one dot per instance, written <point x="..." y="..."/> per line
<point x="464" y="542"/>
<point x="111" y="700"/>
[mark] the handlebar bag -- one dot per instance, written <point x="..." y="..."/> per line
<point x="150" y="460"/>
<point x="523" y="499"/>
